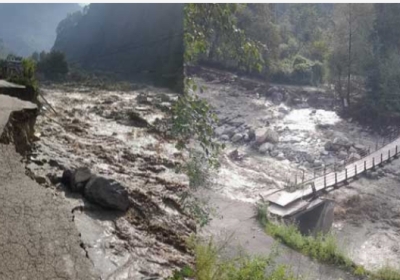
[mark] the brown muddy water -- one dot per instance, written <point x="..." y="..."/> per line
<point x="93" y="128"/>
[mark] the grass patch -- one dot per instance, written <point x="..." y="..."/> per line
<point x="386" y="273"/>
<point x="209" y="266"/>
<point x="322" y="248"/>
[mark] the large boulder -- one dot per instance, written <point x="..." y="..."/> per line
<point x="237" y="137"/>
<point x="230" y="131"/>
<point x="277" y="97"/>
<point x="225" y="137"/>
<point x="268" y="136"/>
<point x="266" y="147"/>
<point x="338" y="143"/>
<point x="354" y="157"/>
<point x="342" y="155"/>
<point x="342" y="141"/>
<point x="361" y="149"/>
<point x="107" y="193"/>
<point x="271" y="90"/>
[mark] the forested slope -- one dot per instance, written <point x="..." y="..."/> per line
<point x="139" y="41"/>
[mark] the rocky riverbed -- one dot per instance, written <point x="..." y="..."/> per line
<point x="275" y="136"/>
<point x="278" y="135"/>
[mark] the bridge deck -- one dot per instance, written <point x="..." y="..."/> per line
<point x="388" y="152"/>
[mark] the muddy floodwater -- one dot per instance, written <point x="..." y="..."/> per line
<point x="367" y="212"/>
<point x="105" y="131"/>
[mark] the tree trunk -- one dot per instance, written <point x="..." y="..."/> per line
<point x="349" y="59"/>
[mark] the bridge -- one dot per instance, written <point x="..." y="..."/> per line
<point x="286" y="204"/>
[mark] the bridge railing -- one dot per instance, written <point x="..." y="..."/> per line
<point x="369" y="161"/>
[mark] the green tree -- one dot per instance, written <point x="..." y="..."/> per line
<point x="258" y="22"/>
<point x="212" y="30"/>
<point x="28" y="75"/>
<point x="351" y="48"/>
<point x="383" y="88"/>
<point x="53" y="64"/>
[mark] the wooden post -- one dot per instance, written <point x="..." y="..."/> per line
<point x="396" y="149"/>
<point x="313" y="189"/>
<point x="365" y="165"/>
<point x="302" y="177"/>
<point x="388" y="154"/>
<point x="373" y="162"/>
<point x="355" y="167"/>
<point x="381" y="158"/>
<point x="335" y="178"/>
<point x="324" y="182"/>
<point x="345" y="174"/>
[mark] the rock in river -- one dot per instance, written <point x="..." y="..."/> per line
<point x="268" y="136"/>
<point x="266" y="147"/>
<point x="107" y="193"/>
<point x="237" y="137"/>
<point x="75" y="180"/>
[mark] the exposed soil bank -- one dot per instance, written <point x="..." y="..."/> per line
<point x="17" y="120"/>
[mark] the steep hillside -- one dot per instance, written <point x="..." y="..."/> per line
<point x="25" y="28"/>
<point x="137" y="40"/>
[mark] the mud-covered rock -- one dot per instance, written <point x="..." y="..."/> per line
<point x="277" y="98"/>
<point x="75" y="180"/>
<point x="237" y="137"/>
<point x="107" y="193"/>
<point x="342" y="141"/>
<point x="354" y="157"/>
<point x="361" y="148"/>
<point x="266" y="147"/>
<point x="81" y="177"/>
<point x="225" y="137"/>
<point x="342" y="155"/>
<point x="268" y="136"/>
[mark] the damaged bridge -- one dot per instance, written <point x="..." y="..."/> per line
<point x="305" y="198"/>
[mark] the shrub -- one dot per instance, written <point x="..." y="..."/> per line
<point x="28" y="74"/>
<point x="386" y="273"/>
<point x="209" y="266"/>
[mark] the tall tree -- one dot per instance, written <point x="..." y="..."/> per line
<point x="351" y="51"/>
<point x="383" y="82"/>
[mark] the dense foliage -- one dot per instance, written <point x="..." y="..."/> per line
<point x="354" y="47"/>
<point x="53" y="64"/>
<point x="289" y="46"/>
<point x="212" y="30"/>
<point x="142" y="43"/>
